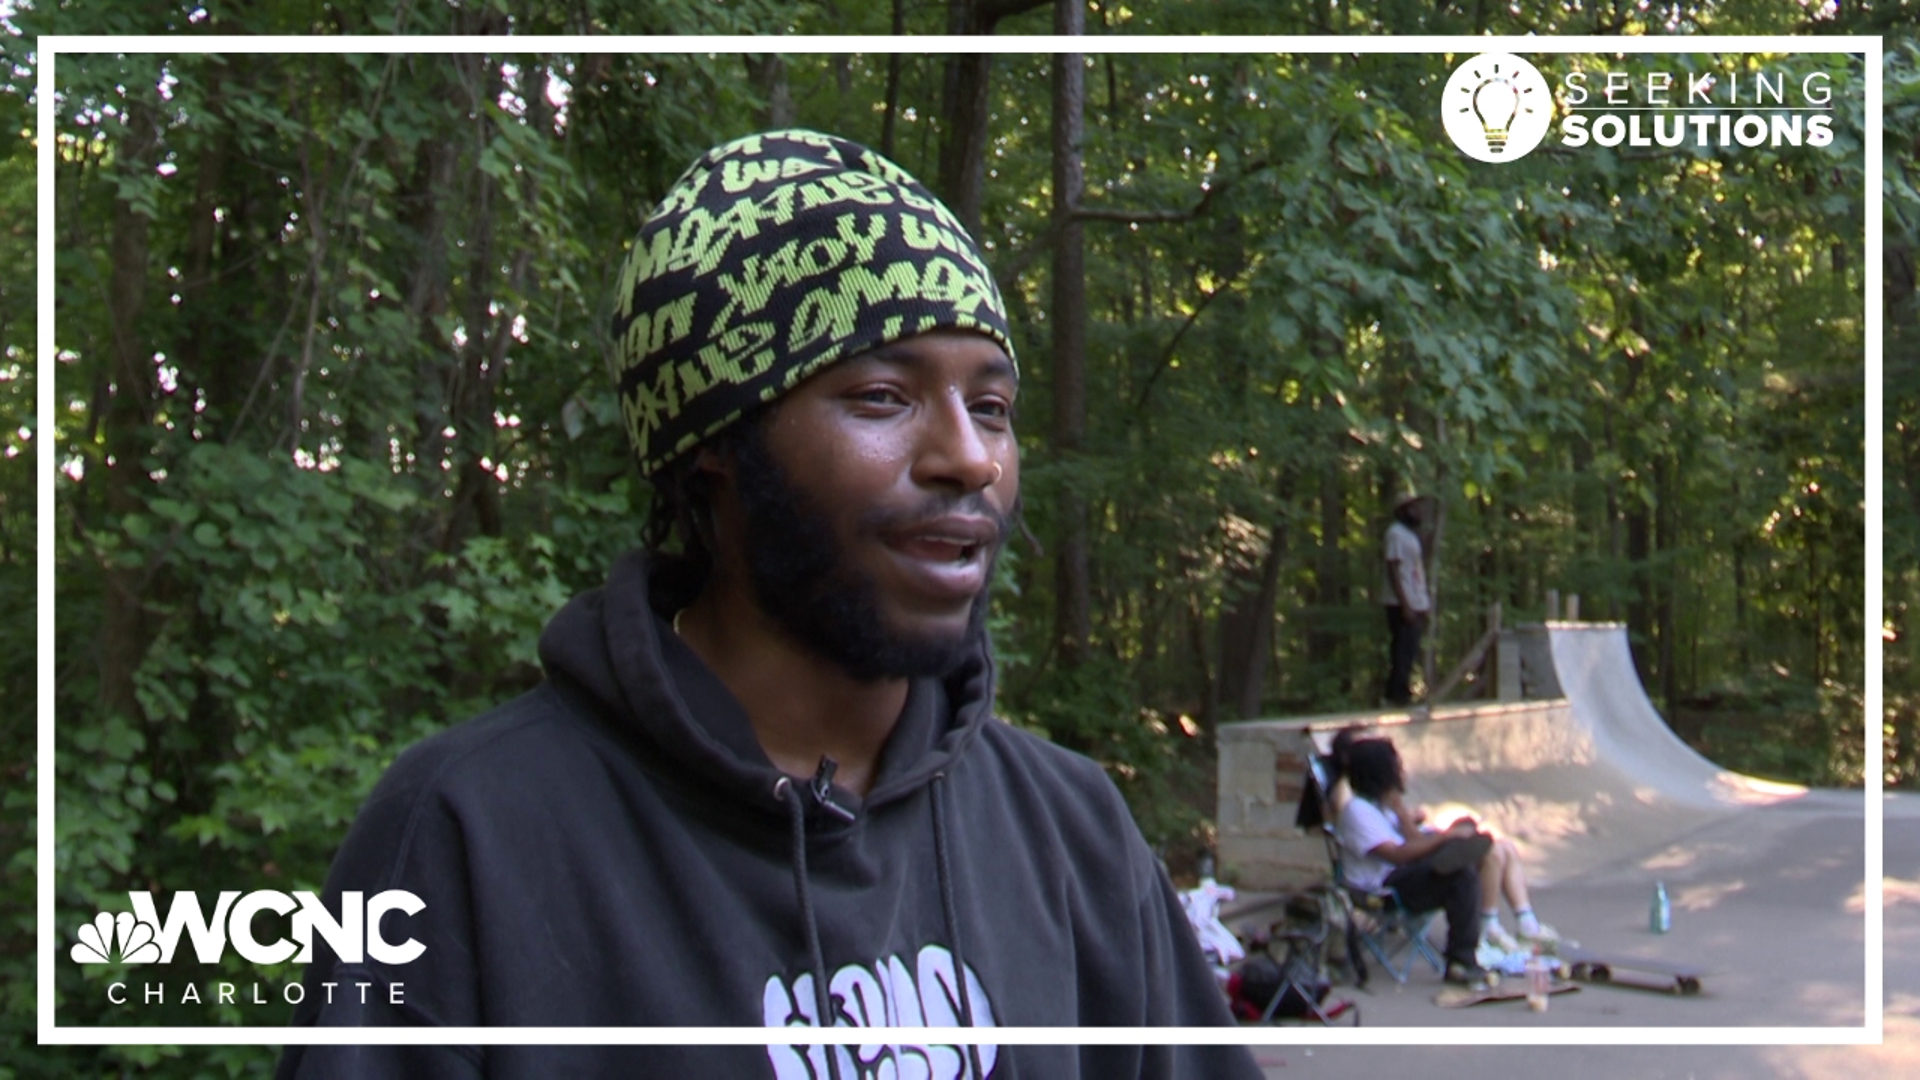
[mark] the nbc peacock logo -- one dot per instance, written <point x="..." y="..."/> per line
<point x="111" y="938"/>
<point x="1496" y="107"/>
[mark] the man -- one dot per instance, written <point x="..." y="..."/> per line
<point x="1502" y="872"/>
<point x="762" y="783"/>
<point x="1428" y="870"/>
<point x="1405" y="597"/>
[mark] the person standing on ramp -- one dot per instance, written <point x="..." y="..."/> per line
<point x="1404" y="595"/>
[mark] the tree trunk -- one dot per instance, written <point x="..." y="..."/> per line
<point x="1068" y="311"/>
<point x="768" y="73"/>
<point x="1246" y="622"/>
<point x="963" y="144"/>
<point x="1905" y="742"/>
<point x="206" y="350"/>
<point x="1615" y="550"/>
<point x="1430" y="548"/>
<point x="966" y="103"/>
<point x="314" y="187"/>
<point x="425" y="216"/>
<point x="1740" y="603"/>
<point x="1640" y="611"/>
<point x="892" y="110"/>
<point x="1331" y="586"/>
<point x="1669" y="581"/>
<point x="125" y="633"/>
<point x="1202" y="659"/>
<point x="491" y="305"/>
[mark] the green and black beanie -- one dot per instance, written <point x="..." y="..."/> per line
<point x="772" y="257"/>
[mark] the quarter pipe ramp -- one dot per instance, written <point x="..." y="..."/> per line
<point x="1602" y="780"/>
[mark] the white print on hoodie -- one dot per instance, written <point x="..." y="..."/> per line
<point x="888" y="994"/>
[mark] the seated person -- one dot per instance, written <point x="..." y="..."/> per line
<point x="1501" y="872"/>
<point x="1427" y="869"/>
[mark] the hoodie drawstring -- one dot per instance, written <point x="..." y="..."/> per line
<point x="950" y="909"/>
<point x="784" y="790"/>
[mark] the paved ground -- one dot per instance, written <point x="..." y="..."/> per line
<point x="1766" y="883"/>
<point x="1768" y="899"/>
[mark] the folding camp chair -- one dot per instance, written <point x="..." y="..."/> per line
<point x="1297" y="968"/>
<point x="1381" y="921"/>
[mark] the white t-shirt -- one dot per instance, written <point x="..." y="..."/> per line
<point x="1363" y="826"/>
<point x="1403" y="558"/>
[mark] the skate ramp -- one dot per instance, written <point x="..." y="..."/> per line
<point x="1596" y="781"/>
<point x="1595" y="669"/>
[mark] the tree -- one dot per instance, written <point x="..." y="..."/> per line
<point x="1072" y="619"/>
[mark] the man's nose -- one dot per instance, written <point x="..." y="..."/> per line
<point x="953" y="451"/>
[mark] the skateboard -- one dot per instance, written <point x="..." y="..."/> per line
<point x="1632" y="971"/>
<point x="1459" y="997"/>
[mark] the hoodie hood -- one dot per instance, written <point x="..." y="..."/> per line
<point x="613" y="649"/>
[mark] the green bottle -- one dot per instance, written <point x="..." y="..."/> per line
<point x="1660" y="916"/>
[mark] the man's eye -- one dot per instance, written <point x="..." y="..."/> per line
<point x="878" y="395"/>
<point x="993" y="409"/>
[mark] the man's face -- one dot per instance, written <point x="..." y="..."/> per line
<point x="875" y="499"/>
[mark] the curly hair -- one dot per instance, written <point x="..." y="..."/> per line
<point x="1374" y="769"/>
<point x="1342" y="748"/>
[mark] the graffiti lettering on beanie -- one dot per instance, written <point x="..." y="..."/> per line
<point x="795" y="261"/>
<point x="835" y="310"/>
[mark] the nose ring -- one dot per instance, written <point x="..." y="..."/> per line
<point x="998" y="472"/>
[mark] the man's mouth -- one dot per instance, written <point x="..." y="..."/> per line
<point x="938" y="548"/>
<point x="953" y="538"/>
<point x="947" y="555"/>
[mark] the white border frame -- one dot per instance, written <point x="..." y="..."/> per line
<point x="47" y="51"/>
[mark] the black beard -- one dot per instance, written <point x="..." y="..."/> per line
<point x="800" y="575"/>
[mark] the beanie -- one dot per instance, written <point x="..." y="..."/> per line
<point x="771" y="257"/>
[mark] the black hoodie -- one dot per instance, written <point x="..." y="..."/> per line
<point x="614" y="849"/>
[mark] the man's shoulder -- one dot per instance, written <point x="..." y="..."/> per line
<point x="468" y="777"/>
<point x="1038" y="800"/>
<point x="521" y="740"/>
<point x="1043" y="781"/>
<point x="1019" y="748"/>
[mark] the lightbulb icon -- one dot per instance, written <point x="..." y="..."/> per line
<point x="1495" y="101"/>
<point x="1496" y="107"/>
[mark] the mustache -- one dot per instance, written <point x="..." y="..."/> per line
<point x="883" y="520"/>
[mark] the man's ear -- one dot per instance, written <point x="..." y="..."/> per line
<point x="707" y="478"/>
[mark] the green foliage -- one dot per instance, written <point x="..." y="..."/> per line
<point x="1772" y="725"/>
<point x="1156" y="760"/>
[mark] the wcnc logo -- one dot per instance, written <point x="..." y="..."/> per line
<point x="142" y="937"/>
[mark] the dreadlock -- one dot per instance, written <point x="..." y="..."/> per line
<point x="680" y="520"/>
